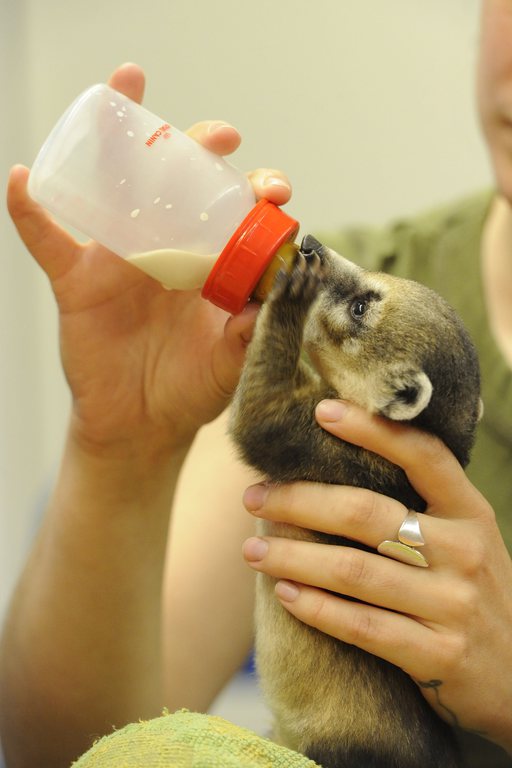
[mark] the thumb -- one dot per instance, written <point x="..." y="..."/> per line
<point x="229" y="355"/>
<point x="54" y="249"/>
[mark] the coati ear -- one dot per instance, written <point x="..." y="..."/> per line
<point x="405" y="394"/>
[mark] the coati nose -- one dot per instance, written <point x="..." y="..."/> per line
<point x="310" y="245"/>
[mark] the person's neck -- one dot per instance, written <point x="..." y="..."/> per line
<point x="497" y="273"/>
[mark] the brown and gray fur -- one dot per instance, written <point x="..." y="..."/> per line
<point x="396" y="348"/>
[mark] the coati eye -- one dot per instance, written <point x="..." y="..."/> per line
<point x="358" y="308"/>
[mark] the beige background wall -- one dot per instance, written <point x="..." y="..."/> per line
<point x="367" y="104"/>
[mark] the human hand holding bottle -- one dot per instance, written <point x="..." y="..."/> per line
<point x="142" y="363"/>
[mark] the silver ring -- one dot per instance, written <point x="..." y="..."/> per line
<point x="409" y="538"/>
<point x="410" y="532"/>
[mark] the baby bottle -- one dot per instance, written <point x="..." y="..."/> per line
<point x="142" y="188"/>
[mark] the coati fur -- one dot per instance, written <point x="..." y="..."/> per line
<point x="396" y="348"/>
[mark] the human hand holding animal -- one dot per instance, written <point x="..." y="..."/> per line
<point x="396" y="349"/>
<point x="121" y="333"/>
<point x="447" y="626"/>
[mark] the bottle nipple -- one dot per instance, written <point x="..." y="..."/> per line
<point x="284" y="259"/>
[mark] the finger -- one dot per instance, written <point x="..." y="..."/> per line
<point x="368" y="518"/>
<point x="431" y="468"/>
<point x="355" y="513"/>
<point x="129" y="79"/>
<point x="228" y="353"/>
<point x="364" y="576"/>
<point x="223" y="139"/>
<point x="216" y="135"/>
<point x="399" y="639"/>
<point x="241" y="326"/>
<point x="52" y="247"/>
<point x="271" y="185"/>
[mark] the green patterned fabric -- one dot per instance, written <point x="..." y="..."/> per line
<point x="188" y="740"/>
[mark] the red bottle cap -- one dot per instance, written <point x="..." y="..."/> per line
<point x="247" y="255"/>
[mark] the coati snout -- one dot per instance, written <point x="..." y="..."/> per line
<point x="396" y="348"/>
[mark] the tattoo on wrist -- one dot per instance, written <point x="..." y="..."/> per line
<point x="435" y="685"/>
<point x="452" y="718"/>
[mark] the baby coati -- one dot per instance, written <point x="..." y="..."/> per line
<point x="397" y="349"/>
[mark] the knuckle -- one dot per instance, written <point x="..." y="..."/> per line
<point x="485" y="519"/>
<point x="421" y="449"/>
<point x="320" y="613"/>
<point x="349" y="566"/>
<point x="365" y="509"/>
<point x="474" y="557"/>
<point x="431" y="451"/>
<point x="487" y="513"/>
<point x="361" y="629"/>
<point x="464" y="600"/>
<point x="451" y="655"/>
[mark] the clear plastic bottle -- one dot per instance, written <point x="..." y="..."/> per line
<point x="136" y="184"/>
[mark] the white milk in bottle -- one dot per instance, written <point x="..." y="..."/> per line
<point x="136" y="184"/>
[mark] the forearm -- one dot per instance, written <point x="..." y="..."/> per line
<point x="209" y="591"/>
<point x="83" y="631"/>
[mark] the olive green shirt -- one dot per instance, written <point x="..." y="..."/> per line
<point x="442" y="250"/>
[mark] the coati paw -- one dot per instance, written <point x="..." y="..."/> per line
<point x="301" y="284"/>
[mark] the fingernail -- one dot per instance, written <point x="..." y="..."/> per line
<point x="287" y="591"/>
<point x="255" y="497"/>
<point x="255" y="549"/>
<point x="218" y="125"/>
<point x="330" y="410"/>
<point x="275" y="181"/>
